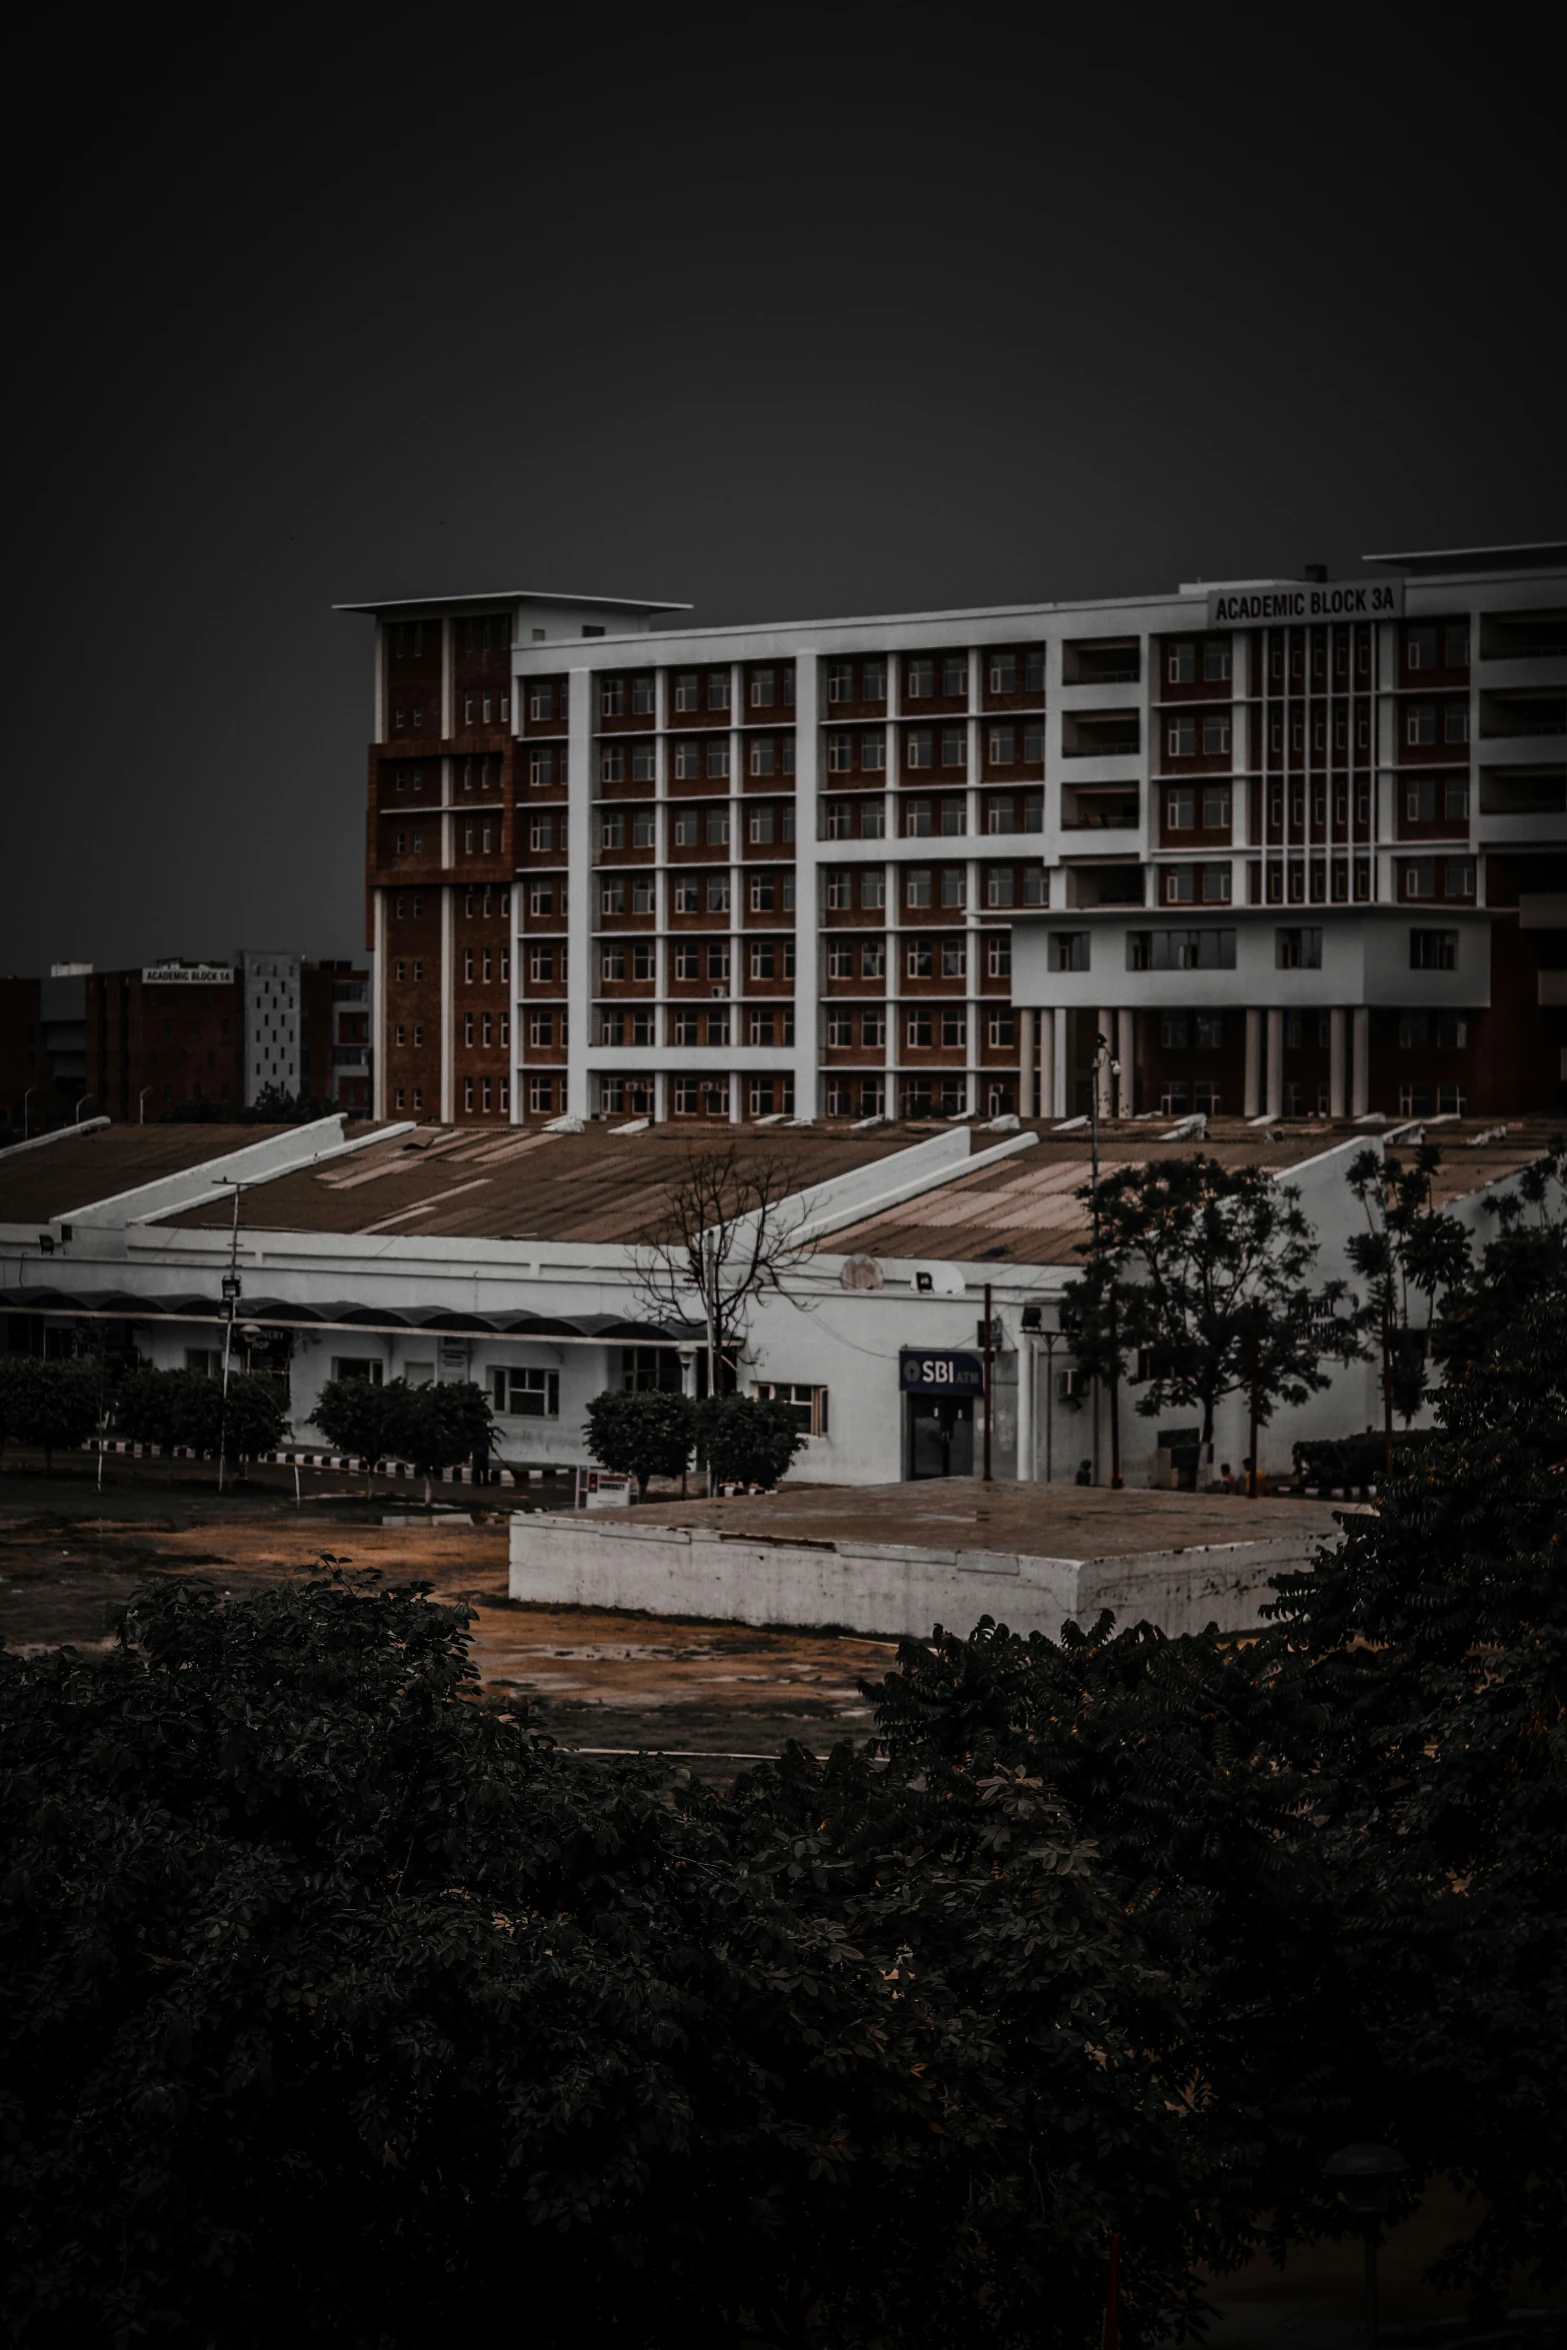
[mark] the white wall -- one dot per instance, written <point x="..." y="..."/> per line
<point x="897" y="1590"/>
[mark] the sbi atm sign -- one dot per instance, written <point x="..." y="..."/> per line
<point x="939" y="1374"/>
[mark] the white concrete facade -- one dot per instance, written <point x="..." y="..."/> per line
<point x="400" y="1304"/>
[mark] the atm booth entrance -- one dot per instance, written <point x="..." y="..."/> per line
<point x="940" y="1393"/>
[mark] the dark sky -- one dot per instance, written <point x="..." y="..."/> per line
<point x="788" y="311"/>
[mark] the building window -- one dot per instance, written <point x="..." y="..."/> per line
<point x="1181" y="738"/>
<point x="1433" y="950"/>
<point x="1180" y="809"/>
<point x="1297" y="950"/>
<point x="1069" y="950"/>
<point x="873" y="892"/>
<point x="1180" y="950"/>
<point x="918" y="743"/>
<point x="1215" y="736"/>
<point x="807" y="1405"/>
<point x="917" y="886"/>
<point x="526" y="1394"/>
<point x="1180" y="664"/>
<point x="718" y="757"/>
<point x="1420" y="723"/>
<point x="954" y="746"/>
<point x="718" y="691"/>
<point x="687" y="693"/>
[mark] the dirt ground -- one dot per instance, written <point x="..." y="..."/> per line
<point x="70" y="1557"/>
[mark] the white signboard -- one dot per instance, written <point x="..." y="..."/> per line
<point x="187" y="974"/>
<point x="1381" y="599"/>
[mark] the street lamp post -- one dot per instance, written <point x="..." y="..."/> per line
<point x="1365" y="2175"/>
<point x="141" y="1105"/>
<point x="1112" y="1068"/>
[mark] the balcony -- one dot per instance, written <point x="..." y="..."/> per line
<point x="1523" y="636"/>
<point x="1104" y="885"/>
<point x="1520" y="714"/>
<point x="1522" y="806"/>
<point x="1100" y="807"/>
<point x="1101" y="734"/>
<point x="1101" y="661"/>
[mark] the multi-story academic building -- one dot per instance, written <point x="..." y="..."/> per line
<point x="1293" y="847"/>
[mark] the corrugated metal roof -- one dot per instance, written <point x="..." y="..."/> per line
<point x="1026" y="1210"/>
<point x="74" y="1170"/>
<point x="474" y="1182"/>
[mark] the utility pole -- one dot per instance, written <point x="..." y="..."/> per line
<point x="710" y="1309"/>
<point x="989" y="1368"/>
<point x="1253" y="1484"/>
<point x="1113" y="1069"/>
<point x="231" y="1302"/>
<point x="1387" y="1366"/>
<point x="1050" y="1337"/>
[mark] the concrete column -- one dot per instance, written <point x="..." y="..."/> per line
<point x="448" y="1099"/>
<point x="581" y="910"/>
<point x="1025" y="1056"/>
<point x="1056" y="1065"/>
<point x="1106" y="1029"/>
<point x="377" y="1012"/>
<point x="1275" y="1064"/>
<point x="1336" y="1056"/>
<point x="1027" y="1376"/>
<point x="807" y="915"/>
<point x="1360" y="1074"/>
<point x="1253" y="1102"/>
<point x="514" y="1002"/>
<point x="1126" y="1054"/>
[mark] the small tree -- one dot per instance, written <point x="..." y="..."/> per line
<point x="644" y="1434"/>
<point x="747" y="1440"/>
<point x="728" y="1234"/>
<point x="48" y="1402"/>
<point x="356" y="1416"/>
<point x="437" y="1426"/>
<point x="1407" y="1246"/>
<point x="1210" y="1269"/>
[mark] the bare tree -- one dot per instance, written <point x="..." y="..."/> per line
<point x="729" y="1232"/>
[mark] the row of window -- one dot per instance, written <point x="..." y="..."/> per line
<point x="688" y="827"/>
<point x="688" y="1027"/>
<point x="1301" y="879"/>
<point x="1003" y="886"/>
<point x="1448" y="877"/>
<point x="765" y="893"/>
<point x="694" y="756"/>
<point x="1214" y="950"/>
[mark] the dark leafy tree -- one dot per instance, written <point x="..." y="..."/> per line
<point x="49" y="1401"/>
<point x="1409" y="1251"/>
<point x="335" y="2000"/>
<point x="1210" y="1272"/>
<point x="187" y="1408"/>
<point x="439" y="1425"/>
<point x="644" y="1433"/>
<point x="358" y="1417"/>
<point x="747" y="1440"/>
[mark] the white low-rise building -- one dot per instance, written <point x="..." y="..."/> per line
<point x="518" y="1260"/>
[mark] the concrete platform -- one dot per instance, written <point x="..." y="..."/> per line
<point x="895" y="1560"/>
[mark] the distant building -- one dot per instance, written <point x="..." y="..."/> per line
<point x="274" y="1061"/>
<point x="133" y="1045"/>
<point x="1296" y="847"/>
